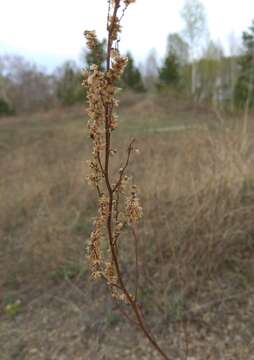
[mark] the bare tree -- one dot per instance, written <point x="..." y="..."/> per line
<point x="151" y="70"/>
<point x="179" y="47"/>
<point x="194" y="16"/>
<point x="235" y="50"/>
<point x="25" y="86"/>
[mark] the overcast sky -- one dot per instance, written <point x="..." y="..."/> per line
<point x="51" y="31"/>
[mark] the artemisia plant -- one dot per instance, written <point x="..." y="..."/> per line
<point x="118" y="203"/>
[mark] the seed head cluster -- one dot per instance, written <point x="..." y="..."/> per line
<point x="133" y="208"/>
<point x="118" y="204"/>
<point x="91" y="39"/>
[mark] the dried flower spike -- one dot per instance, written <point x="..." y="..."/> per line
<point x="118" y="204"/>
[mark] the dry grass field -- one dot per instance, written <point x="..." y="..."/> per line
<point x="195" y="173"/>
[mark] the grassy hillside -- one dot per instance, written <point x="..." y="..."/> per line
<point x="196" y="179"/>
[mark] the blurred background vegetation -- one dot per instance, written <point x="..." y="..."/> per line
<point x="211" y="77"/>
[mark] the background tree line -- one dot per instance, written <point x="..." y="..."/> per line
<point x="193" y="66"/>
<point x="24" y="87"/>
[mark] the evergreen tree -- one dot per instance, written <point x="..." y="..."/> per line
<point x="169" y="74"/>
<point x="68" y="87"/>
<point x="132" y="78"/>
<point x="244" y="89"/>
<point x="97" y="55"/>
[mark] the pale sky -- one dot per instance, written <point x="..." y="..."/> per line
<point x="51" y="31"/>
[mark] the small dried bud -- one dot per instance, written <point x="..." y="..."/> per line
<point x="116" y="102"/>
<point x="94" y="67"/>
<point x="110" y="273"/>
<point x="118" y="66"/>
<point x="119" y="227"/>
<point x="122" y="297"/>
<point x="128" y="2"/>
<point x="91" y="39"/>
<point x="114" y="53"/>
<point x="114" y="25"/>
<point x="133" y="208"/>
<point x="85" y="74"/>
<point x="113" y="152"/>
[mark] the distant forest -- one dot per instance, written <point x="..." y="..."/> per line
<point x="193" y="66"/>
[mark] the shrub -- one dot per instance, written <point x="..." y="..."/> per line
<point x="132" y="78"/>
<point x="244" y="89"/>
<point x="5" y="108"/>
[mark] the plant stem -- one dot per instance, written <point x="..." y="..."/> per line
<point x="108" y="114"/>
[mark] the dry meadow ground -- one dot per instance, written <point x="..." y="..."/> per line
<point x="195" y="173"/>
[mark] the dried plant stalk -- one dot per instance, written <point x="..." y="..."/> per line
<point x="118" y="204"/>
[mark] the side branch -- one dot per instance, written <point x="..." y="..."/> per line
<point x="130" y="148"/>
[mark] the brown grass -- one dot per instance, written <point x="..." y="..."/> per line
<point x="196" y="238"/>
<point x="199" y="206"/>
<point x="44" y="202"/>
<point x="196" y="186"/>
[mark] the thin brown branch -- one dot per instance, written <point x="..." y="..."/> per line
<point x="124" y="313"/>
<point x="98" y="190"/>
<point x="109" y="8"/>
<point x="117" y="206"/>
<point x="100" y="163"/>
<point x="123" y="13"/>
<point x="136" y="262"/>
<point x="110" y="31"/>
<point x="130" y="148"/>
